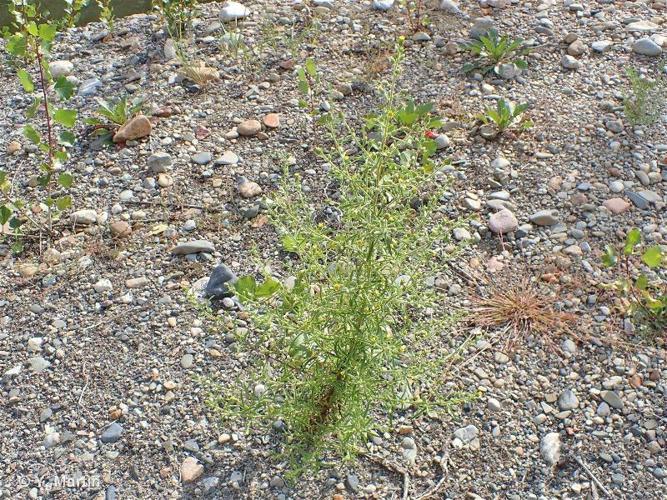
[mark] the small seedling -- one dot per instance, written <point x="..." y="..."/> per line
<point x="492" y="51"/>
<point x="505" y="115"/>
<point x="178" y="15"/>
<point x="113" y="116"/>
<point x="107" y="14"/>
<point x="308" y="80"/>
<point x="646" y="300"/>
<point x="646" y="100"/>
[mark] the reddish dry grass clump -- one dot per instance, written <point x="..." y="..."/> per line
<point x="523" y="310"/>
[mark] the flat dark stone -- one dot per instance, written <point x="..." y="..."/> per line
<point x="217" y="286"/>
<point x="639" y="201"/>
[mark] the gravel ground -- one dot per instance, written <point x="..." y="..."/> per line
<point x="102" y="353"/>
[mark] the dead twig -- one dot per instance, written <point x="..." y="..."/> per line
<point x="85" y="386"/>
<point x="595" y="479"/>
<point x="394" y="467"/>
<point x="436" y="488"/>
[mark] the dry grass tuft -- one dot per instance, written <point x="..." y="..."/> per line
<point x="523" y="310"/>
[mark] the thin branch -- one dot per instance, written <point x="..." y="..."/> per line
<point x="595" y="479"/>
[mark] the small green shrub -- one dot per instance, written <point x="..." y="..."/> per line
<point x="505" y="115"/>
<point x="178" y="15"/>
<point x="492" y="50"/>
<point x="107" y="14"/>
<point x="309" y="82"/>
<point x="29" y="47"/>
<point x="646" y="300"/>
<point x="415" y="14"/>
<point x="354" y="332"/>
<point x="113" y="116"/>
<point x="646" y="100"/>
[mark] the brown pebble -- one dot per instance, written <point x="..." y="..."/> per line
<point x="120" y="229"/>
<point x="272" y="120"/>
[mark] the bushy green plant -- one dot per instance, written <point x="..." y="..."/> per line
<point x="177" y="14"/>
<point x="354" y="332"/>
<point x="29" y="46"/>
<point x="505" y="115"/>
<point x="113" y="114"/>
<point x="415" y="14"/>
<point x="107" y="14"/>
<point x="646" y="100"/>
<point x="492" y="50"/>
<point x="646" y="300"/>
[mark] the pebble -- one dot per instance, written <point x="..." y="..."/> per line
<point x="233" y="11"/>
<point x="272" y="120"/>
<point x="112" y="433"/>
<point x="217" y="285"/>
<point x="187" y="361"/>
<point x="120" y="229"/>
<point x="647" y="47"/>
<point x="550" y="448"/>
<point x="136" y="128"/>
<point x="194" y="246"/>
<point x="159" y="162"/>
<point x="249" y="128"/>
<point x="570" y="62"/>
<point x="103" y="285"/>
<point x="612" y="399"/>
<point x="191" y="470"/>
<point x="383" y="5"/>
<point x="60" y="68"/>
<point x="545" y="218"/>
<point x="249" y="189"/>
<point x="38" y="364"/>
<point x="228" y="158"/>
<point x="202" y="158"/>
<point x="503" y="222"/>
<point x="466" y="434"/>
<point x="568" y="400"/>
<point x="616" y="205"/>
<point x="84" y="217"/>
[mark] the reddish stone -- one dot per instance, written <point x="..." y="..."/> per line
<point x="616" y="205"/>
<point x="272" y="120"/>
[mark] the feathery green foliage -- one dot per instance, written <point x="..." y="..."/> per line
<point x="354" y="332"/>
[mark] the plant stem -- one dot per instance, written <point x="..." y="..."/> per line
<point x="49" y="130"/>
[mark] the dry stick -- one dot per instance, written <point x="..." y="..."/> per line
<point x="445" y="473"/>
<point x="394" y="468"/>
<point x="595" y="479"/>
<point x="85" y="374"/>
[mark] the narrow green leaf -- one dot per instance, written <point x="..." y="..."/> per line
<point x="32" y="109"/>
<point x="47" y="32"/>
<point x="26" y="80"/>
<point x="5" y="214"/>
<point x="64" y="202"/>
<point x="66" y="138"/>
<point x="31" y="134"/>
<point x="633" y="239"/>
<point x="268" y="288"/>
<point x="653" y="256"/>
<point x="311" y="69"/>
<point x="65" y="179"/>
<point x="64" y="88"/>
<point x="245" y="286"/>
<point x="65" y="117"/>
